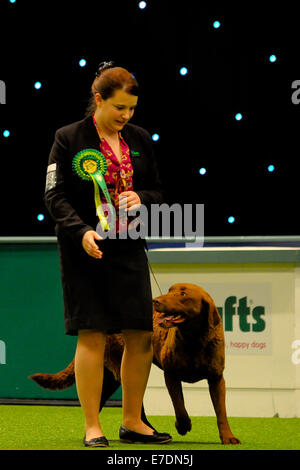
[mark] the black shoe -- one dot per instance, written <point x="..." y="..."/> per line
<point x="156" y="438"/>
<point x="96" y="442"/>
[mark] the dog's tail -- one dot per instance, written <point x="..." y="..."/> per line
<point x="59" y="381"/>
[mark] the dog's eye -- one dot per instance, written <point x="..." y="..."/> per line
<point x="182" y="293"/>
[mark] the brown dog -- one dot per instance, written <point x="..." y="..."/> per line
<point x="188" y="345"/>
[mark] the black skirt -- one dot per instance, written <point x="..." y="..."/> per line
<point x="108" y="294"/>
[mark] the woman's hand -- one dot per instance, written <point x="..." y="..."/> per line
<point x="129" y="200"/>
<point x="89" y="245"/>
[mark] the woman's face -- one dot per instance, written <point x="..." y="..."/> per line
<point x="116" y="111"/>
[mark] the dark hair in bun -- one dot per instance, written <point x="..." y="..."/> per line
<point x="104" y="66"/>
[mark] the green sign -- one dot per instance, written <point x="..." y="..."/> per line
<point x="250" y="319"/>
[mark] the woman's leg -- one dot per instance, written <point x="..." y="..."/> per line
<point x="135" y="369"/>
<point x="89" y="366"/>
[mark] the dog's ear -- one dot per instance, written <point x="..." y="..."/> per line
<point x="210" y="312"/>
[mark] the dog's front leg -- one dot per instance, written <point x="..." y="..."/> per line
<point x="183" y="423"/>
<point x="217" y="393"/>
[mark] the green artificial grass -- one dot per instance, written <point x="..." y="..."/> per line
<point x="61" y="428"/>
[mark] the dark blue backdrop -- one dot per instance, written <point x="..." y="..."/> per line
<point x="194" y="115"/>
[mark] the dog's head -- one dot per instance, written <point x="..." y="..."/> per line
<point x="186" y="303"/>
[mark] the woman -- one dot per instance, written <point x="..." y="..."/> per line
<point x="106" y="283"/>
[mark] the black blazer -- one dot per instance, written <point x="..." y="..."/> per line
<point x="70" y="200"/>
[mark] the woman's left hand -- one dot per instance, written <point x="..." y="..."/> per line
<point x="129" y="200"/>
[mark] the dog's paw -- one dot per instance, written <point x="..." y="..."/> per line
<point x="183" y="425"/>
<point x="230" y="440"/>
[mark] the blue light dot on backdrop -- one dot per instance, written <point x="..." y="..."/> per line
<point x="40" y="217"/>
<point x="238" y="117"/>
<point x="271" y="168"/>
<point x="6" y="133"/>
<point x="82" y="62"/>
<point x="216" y="24"/>
<point x="37" y="85"/>
<point x="202" y="171"/>
<point x="155" y="137"/>
<point x="183" y="71"/>
<point x="272" y="58"/>
<point x="231" y="219"/>
<point x="142" y="5"/>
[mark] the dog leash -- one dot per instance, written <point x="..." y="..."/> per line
<point x="155" y="279"/>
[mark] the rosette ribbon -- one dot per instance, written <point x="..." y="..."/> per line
<point x="90" y="165"/>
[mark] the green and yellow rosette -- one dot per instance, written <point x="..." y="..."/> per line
<point x="90" y="164"/>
